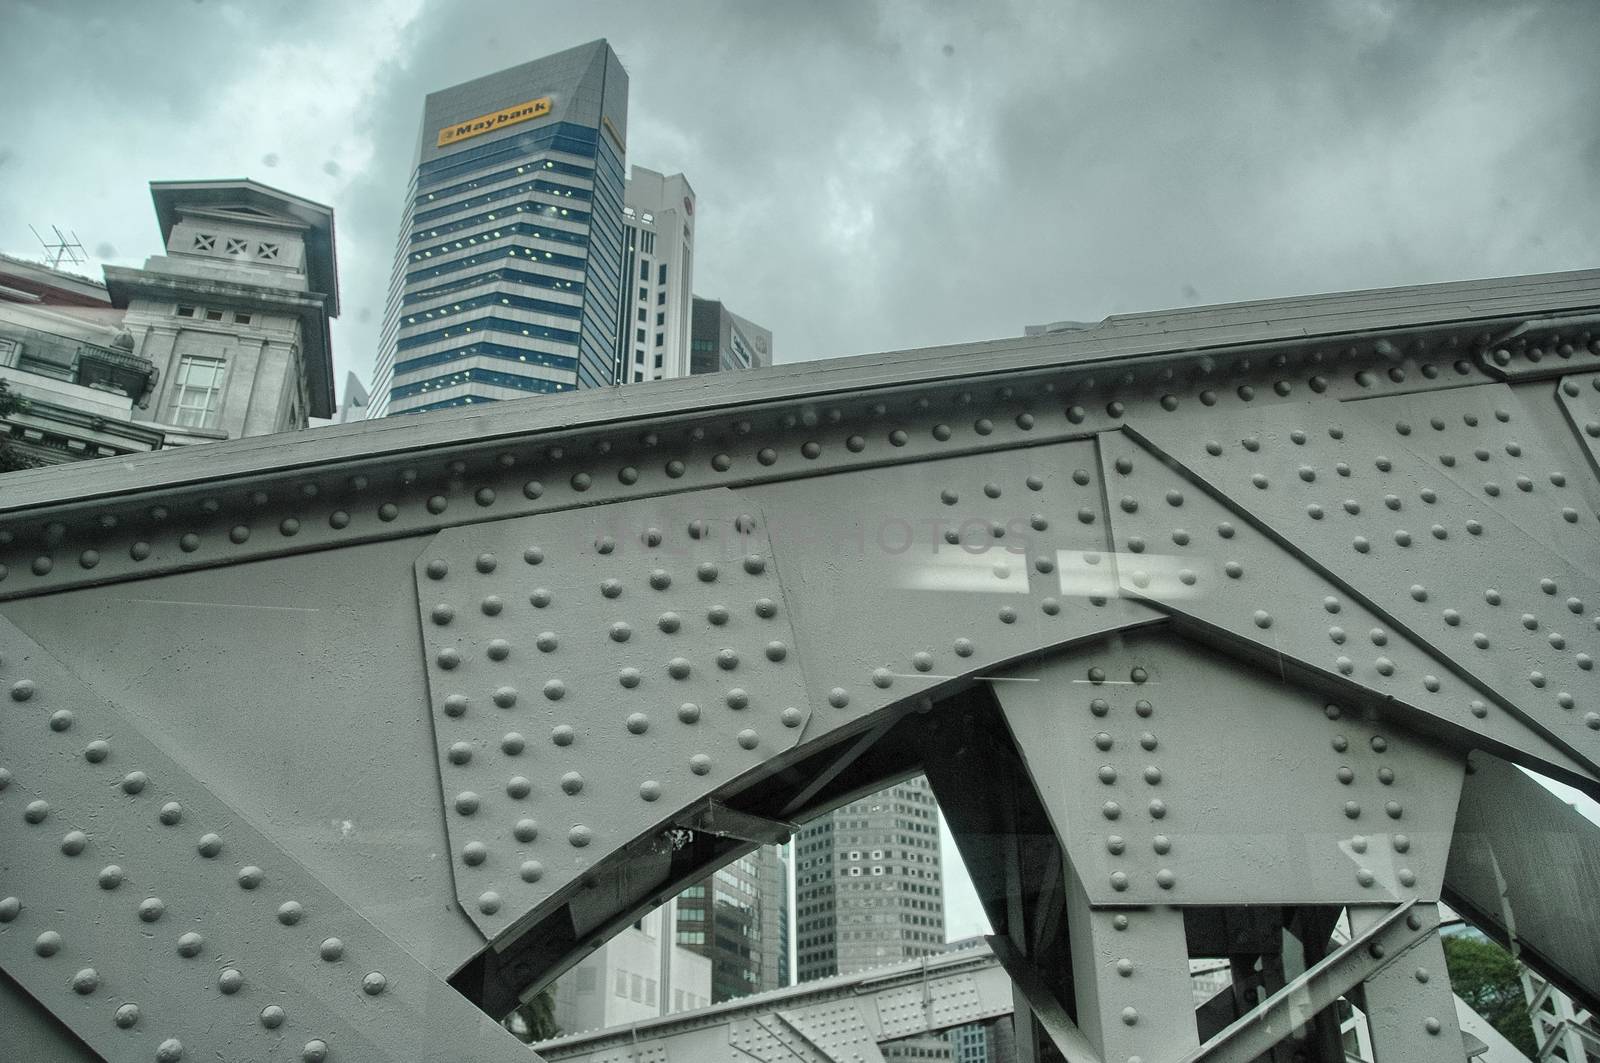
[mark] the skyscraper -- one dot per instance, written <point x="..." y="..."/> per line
<point x="508" y="276"/>
<point x="658" y="271"/>
<point x="738" y="917"/>
<point x="721" y="339"/>
<point x="868" y="889"/>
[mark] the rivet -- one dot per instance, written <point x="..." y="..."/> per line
<point x="36" y="811"/>
<point x="518" y="787"/>
<point x="126" y="1016"/>
<point x="316" y="1050"/>
<point x="209" y="845"/>
<point x="190" y="944"/>
<point x="1432" y="1025"/>
<point x="1166" y="879"/>
<point x="169" y="1051"/>
<point x="171" y="813"/>
<point x="74" y="842"/>
<point x="1130" y="1016"/>
<point x="272" y="1016"/>
<point x="290" y="913"/>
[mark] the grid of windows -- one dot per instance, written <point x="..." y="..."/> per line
<point x="494" y="226"/>
<point x="196" y="391"/>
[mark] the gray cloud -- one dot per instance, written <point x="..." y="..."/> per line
<point x="891" y="174"/>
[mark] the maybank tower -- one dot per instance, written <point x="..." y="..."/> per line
<point x="507" y="281"/>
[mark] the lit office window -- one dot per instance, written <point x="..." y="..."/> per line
<point x="196" y="391"/>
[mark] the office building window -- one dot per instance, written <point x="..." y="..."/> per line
<point x="661" y="338"/>
<point x="661" y="298"/>
<point x="185" y="311"/>
<point x="643" y="315"/>
<point x="195" y="392"/>
<point x="213" y="315"/>
<point x="661" y="318"/>
<point x="638" y="335"/>
<point x="241" y="319"/>
<point x="644" y="293"/>
<point x="661" y="274"/>
<point x="658" y="361"/>
<point x="644" y="269"/>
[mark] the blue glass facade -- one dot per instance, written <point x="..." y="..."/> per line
<point x="508" y="273"/>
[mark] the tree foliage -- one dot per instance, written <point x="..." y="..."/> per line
<point x="1487" y="978"/>
<point x="9" y="457"/>
<point x="534" y="1020"/>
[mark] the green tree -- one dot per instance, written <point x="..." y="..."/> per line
<point x="534" y="1020"/>
<point x="9" y="458"/>
<point x="1486" y="977"/>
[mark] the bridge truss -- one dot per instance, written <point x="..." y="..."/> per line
<point x="1206" y="627"/>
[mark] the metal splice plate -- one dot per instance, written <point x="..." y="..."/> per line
<point x="158" y="924"/>
<point x="1450" y="570"/>
<point x="1174" y="776"/>
<point x="1181" y="549"/>
<point x="901" y="580"/>
<point x="592" y="672"/>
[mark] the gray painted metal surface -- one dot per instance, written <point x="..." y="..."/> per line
<point x="842" y="1018"/>
<point x="1192" y="619"/>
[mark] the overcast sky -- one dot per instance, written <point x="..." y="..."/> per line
<point x="872" y="175"/>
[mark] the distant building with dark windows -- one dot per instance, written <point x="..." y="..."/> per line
<point x="508" y="276"/>
<point x="738" y="918"/>
<point x="720" y="339"/>
<point x="868" y="883"/>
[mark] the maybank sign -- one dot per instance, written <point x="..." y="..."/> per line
<point x="488" y="123"/>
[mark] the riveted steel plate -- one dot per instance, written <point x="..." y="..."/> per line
<point x="839" y="1030"/>
<point x="771" y="1040"/>
<point x="1130" y="974"/>
<point x="592" y="672"/>
<point x="153" y="920"/>
<point x="1503" y="447"/>
<point x="1175" y="776"/>
<point x="1448" y="569"/>
<point x="1580" y="398"/>
<point x="1190" y="554"/>
<point x="899" y="580"/>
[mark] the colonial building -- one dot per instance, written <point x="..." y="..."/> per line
<point x="223" y="335"/>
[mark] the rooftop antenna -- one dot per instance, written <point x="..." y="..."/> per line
<point x="63" y="250"/>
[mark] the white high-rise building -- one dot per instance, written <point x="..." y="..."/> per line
<point x="658" y="271"/>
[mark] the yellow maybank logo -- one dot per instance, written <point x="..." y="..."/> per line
<point x="488" y="123"/>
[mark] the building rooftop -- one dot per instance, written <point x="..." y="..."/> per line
<point x="322" y="276"/>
